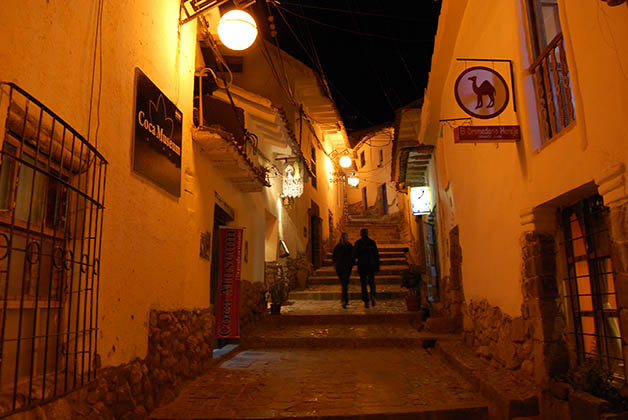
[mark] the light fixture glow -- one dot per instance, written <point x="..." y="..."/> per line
<point x="353" y="181"/>
<point x="345" y="161"/>
<point x="237" y="30"/>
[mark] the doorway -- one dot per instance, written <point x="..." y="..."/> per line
<point x="431" y="261"/>
<point x="365" y="202"/>
<point x="316" y="227"/>
<point x="384" y="199"/>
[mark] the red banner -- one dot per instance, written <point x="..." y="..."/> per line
<point x="229" y="269"/>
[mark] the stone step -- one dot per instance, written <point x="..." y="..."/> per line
<point x="354" y="279"/>
<point x="382" y="261"/>
<point x="333" y="292"/>
<point x="384" y="270"/>
<point x="332" y="342"/>
<point x="287" y="318"/>
<point x="512" y="396"/>
<point x="382" y="254"/>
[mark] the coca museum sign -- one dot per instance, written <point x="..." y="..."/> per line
<point x="229" y="271"/>
<point x="156" y="136"/>
<point x="483" y="93"/>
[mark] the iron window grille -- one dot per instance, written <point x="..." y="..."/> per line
<point x="549" y="70"/>
<point x="52" y="188"/>
<point x="590" y="284"/>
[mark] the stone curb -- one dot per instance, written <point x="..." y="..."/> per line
<point x="333" y="342"/>
<point x="466" y="413"/>
<point x="513" y="399"/>
<point x="343" y="319"/>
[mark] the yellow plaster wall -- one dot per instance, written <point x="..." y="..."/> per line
<point x="150" y="249"/>
<point x="491" y="185"/>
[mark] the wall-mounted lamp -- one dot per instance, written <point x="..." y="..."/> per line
<point x="353" y="181"/>
<point x="345" y="161"/>
<point x="237" y="29"/>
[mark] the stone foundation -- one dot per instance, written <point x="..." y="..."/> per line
<point x="252" y="302"/>
<point x="180" y="347"/>
<point x="505" y="341"/>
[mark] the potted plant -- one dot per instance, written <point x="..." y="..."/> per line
<point x="411" y="280"/>
<point x="278" y="294"/>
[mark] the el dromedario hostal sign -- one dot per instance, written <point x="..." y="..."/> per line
<point x="156" y="136"/>
<point x="483" y="93"/>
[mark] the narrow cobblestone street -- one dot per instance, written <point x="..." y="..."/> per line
<point x="352" y="363"/>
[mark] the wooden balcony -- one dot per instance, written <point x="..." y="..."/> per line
<point x="229" y="152"/>
<point x="553" y="88"/>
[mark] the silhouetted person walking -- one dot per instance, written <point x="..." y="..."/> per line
<point x="368" y="264"/>
<point x="344" y="259"/>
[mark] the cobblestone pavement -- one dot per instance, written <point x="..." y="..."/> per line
<point x="328" y="307"/>
<point x="329" y="383"/>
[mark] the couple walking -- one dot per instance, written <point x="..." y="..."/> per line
<point x="366" y="253"/>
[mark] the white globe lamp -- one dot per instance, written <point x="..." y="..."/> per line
<point x="237" y="30"/>
<point x="345" y="161"/>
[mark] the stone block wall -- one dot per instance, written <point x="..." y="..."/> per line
<point x="252" y="302"/>
<point x="542" y="307"/>
<point x="180" y="347"/>
<point x="507" y="342"/>
<point x="451" y="291"/>
<point x="534" y="343"/>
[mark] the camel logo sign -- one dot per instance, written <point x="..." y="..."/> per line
<point x="481" y="92"/>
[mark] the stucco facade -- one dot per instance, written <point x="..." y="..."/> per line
<point x="151" y="238"/>
<point x="495" y="193"/>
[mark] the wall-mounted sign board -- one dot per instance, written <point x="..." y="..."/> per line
<point x="481" y="92"/>
<point x="486" y="133"/>
<point x="420" y="200"/>
<point x="156" y="136"/>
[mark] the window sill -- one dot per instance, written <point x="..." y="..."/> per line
<point x="558" y="136"/>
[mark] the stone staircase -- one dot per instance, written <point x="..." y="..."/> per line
<point x="323" y="284"/>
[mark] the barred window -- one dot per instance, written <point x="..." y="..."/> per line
<point x="549" y="69"/>
<point x="51" y="203"/>
<point x="590" y="284"/>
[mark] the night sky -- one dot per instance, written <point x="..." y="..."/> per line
<point x="375" y="54"/>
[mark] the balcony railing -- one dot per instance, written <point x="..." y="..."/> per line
<point x="553" y="88"/>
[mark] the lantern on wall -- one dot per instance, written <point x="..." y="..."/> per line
<point x="237" y="30"/>
<point x="353" y="181"/>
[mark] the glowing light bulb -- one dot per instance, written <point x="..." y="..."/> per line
<point x="345" y="161"/>
<point x="237" y="30"/>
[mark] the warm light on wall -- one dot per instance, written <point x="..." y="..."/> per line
<point x="345" y="161"/>
<point x="237" y="30"/>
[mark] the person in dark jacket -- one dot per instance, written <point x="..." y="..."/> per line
<point x="367" y="255"/>
<point x="344" y="259"/>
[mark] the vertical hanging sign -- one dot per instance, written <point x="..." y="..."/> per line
<point x="229" y="270"/>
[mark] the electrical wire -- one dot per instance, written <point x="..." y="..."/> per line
<point x="389" y="38"/>
<point x="356" y="12"/>
<point x="373" y="69"/>
<point x="403" y="60"/>
<point x="97" y="36"/>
